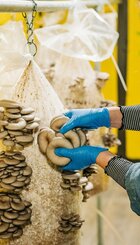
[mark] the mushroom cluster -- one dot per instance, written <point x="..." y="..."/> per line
<point x="92" y="169"/>
<point x="77" y="94"/>
<point x="15" y="214"/>
<point x="70" y="222"/>
<point x="110" y="140"/>
<point x="73" y="181"/>
<point x="17" y="124"/>
<point x="49" y="139"/>
<point x="76" y="182"/>
<point x="15" y="175"/>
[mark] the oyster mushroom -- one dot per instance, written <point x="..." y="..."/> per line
<point x="70" y="222"/>
<point x="55" y="143"/>
<point x="18" y="125"/>
<point x="76" y="138"/>
<point x="44" y="137"/>
<point x="57" y="122"/>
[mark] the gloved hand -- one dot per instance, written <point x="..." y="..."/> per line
<point x="81" y="157"/>
<point x="86" y="119"/>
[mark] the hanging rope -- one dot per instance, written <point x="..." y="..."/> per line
<point x="30" y="27"/>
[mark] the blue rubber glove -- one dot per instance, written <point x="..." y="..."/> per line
<point x="86" y="119"/>
<point x="81" y="157"/>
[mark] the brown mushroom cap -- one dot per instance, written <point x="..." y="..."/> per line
<point x="44" y="137"/>
<point x="55" y="143"/>
<point x="57" y="122"/>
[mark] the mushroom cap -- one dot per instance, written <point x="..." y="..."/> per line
<point x="57" y="122"/>
<point x="44" y="137"/>
<point x="56" y="143"/>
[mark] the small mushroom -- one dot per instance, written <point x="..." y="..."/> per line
<point x="9" y="180"/>
<point x="13" y="110"/>
<point x="9" y="104"/>
<point x="29" y="117"/>
<point x="18" y="206"/>
<point x="3" y="227"/>
<point x="26" y="111"/>
<point x="33" y="125"/>
<point x="24" y="138"/>
<point x="10" y="215"/>
<point x="15" y="133"/>
<point x="11" y="161"/>
<point x="12" y="116"/>
<point x="18" y="233"/>
<point x="18" y="125"/>
<point x="101" y="78"/>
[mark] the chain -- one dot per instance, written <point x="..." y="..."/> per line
<point x="30" y="27"/>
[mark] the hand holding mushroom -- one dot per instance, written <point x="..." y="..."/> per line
<point x="86" y="119"/>
<point x="81" y="157"/>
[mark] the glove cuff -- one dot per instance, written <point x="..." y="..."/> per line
<point x="104" y="118"/>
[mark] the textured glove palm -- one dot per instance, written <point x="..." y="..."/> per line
<point x="86" y="119"/>
<point x="81" y="157"/>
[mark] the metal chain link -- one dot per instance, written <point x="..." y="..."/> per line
<point x="30" y="27"/>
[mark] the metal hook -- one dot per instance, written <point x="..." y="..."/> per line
<point x="30" y="30"/>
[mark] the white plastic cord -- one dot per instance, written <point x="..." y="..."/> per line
<point x="119" y="73"/>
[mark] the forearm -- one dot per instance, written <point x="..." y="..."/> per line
<point x="114" y="166"/>
<point x="115" y="117"/>
<point x="125" y="117"/>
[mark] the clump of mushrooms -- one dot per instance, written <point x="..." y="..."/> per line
<point x="110" y="140"/>
<point x="70" y="222"/>
<point x="77" y="94"/>
<point x="17" y="125"/>
<point x="49" y="139"/>
<point x="15" y="214"/>
<point x="15" y="175"/>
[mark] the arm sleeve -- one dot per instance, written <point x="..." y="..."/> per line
<point x="126" y="174"/>
<point x="131" y="117"/>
